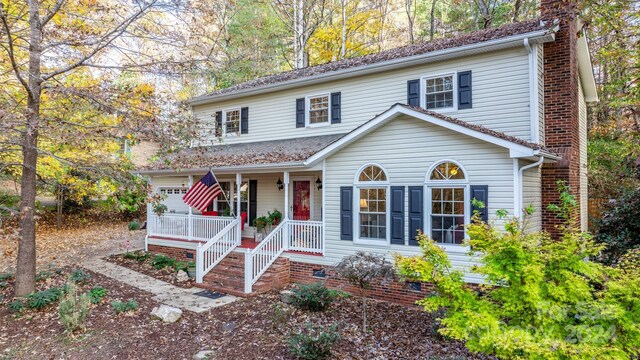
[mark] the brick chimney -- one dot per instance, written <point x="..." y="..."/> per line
<point x="562" y="134"/>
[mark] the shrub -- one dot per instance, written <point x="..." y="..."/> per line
<point x="124" y="306"/>
<point x="73" y="309"/>
<point x="6" y="276"/>
<point x="181" y="265"/>
<point x="545" y="300"/>
<point x="162" y="261"/>
<point x="79" y="276"/>
<point x="619" y="228"/>
<point x="362" y="269"/>
<point x="313" y="297"/>
<point x="41" y="299"/>
<point x="140" y="256"/>
<point x="16" y="306"/>
<point x="134" y="225"/>
<point x="3" y="285"/>
<point x="313" y="344"/>
<point x="43" y="275"/>
<point x="97" y="294"/>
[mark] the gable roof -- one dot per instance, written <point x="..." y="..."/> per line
<point x="517" y="147"/>
<point x="501" y="37"/>
<point x="271" y="152"/>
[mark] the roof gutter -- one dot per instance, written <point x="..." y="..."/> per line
<point x="224" y="169"/>
<point x="535" y="37"/>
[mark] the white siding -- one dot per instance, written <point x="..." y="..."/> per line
<point x="584" y="183"/>
<point x="500" y="99"/>
<point x="532" y="195"/>
<point x="541" y="92"/>
<point x="406" y="148"/>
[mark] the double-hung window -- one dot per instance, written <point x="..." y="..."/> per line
<point x="439" y="92"/>
<point x="231" y="122"/>
<point x="448" y="213"/>
<point x="372" y="189"/>
<point x="318" y="112"/>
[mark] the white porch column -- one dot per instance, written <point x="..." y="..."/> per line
<point x="238" y="207"/>
<point x="286" y="195"/>
<point x="190" y="229"/>
<point x="323" y="211"/>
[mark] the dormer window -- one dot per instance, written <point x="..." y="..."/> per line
<point x="439" y="92"/>
<point x="319" y="110"/>
<point x="231" y="122"/>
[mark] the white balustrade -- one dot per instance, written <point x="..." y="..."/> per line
<point x="305" y="236"/>
<point x="216" y="249"/>
<point x="258" y="260"/>
<point x="177" y="226"/>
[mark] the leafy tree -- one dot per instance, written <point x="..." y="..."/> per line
<point x="619" y="229"/>
<point x="542" y="298"/>
<point x="362" y="270"/>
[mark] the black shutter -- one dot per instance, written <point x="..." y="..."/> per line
<point x="481" y="193"/>
<point x="244" y="120"/>
<point x="413" y="92"/>
<point x="336" y="116"/>
<point x="300" y="112"/>
<point x="346" y="213"/>
<point x="219" y="123"/>
<point x="416" y="213"/>
<point x="397" y="215"/>
<point x="464" y="90"/>
<point x="253" y="199"/>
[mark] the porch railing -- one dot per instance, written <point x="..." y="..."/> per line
<point x="258" y="260"/>
<point x="216" y="249"/>
<point x="305" y="236"/>
<point x="180" y="226"/>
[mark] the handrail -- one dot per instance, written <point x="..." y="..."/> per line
<point x="186" y="227"/>
<point x="258" y="260"/>
<point x="216" y="249"/>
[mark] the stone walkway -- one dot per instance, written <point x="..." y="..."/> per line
<point x="164" y="292"/>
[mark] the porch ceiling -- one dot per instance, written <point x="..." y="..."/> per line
<point x="265" y="153"/>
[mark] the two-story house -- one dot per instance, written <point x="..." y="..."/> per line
<point x="362" y="153"/>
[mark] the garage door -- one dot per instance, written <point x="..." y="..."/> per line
<point x="174" y="201"/>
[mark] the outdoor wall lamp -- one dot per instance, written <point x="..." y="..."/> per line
<point x="280" y="185"/>
<point x="319" y="183"/>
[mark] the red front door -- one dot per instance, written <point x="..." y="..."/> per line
<point x="301" y="199"/>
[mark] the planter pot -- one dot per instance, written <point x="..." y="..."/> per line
<point x="191" y="272"/>
<point x="258" y="236"/>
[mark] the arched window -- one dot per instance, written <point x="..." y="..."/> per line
<point x="372" y="189"/>
<point x="448" y="198"/>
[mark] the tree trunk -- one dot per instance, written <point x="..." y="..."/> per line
<point x="516" y="10"/>
<point x="59" y="203"/>
<point x="343" y="37"/>
<point x="433" y="20"/>
<point x="410" y="20"/>
<point x="26" y="266"/>
<point x="364" y="314"/>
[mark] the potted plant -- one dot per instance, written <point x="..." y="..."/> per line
<point x="261" y="224"/>
<point x="191" y="269"/>
<point x="275" y="217"/>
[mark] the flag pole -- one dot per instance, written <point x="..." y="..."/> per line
<point x="223" y="193"/>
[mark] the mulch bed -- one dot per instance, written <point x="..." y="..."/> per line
<point x="167" y="274"/>
<point x="245" y="329"/>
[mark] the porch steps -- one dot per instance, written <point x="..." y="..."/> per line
<point x="228" y="276"/>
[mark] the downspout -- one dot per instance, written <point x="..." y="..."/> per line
<point x="520" y="174"/>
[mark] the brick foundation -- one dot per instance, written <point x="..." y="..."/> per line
<point x="176" y="253"/>
<point x="396" y="292"/>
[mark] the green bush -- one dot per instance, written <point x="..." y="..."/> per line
<point x="79" y="276"/>
<point x="140" y="256"/>
<point x="3" y="285"/>
<point x="313" y="344"/>
<point x="619" y="228"/>
<point x="73" y="309"/>
<point x="6" y="276"/>
<point x="43" y="275"/>
<point x="546" y="299"/>
<point x="124" y="306"/>
<point x="162" y="261"/>
<point x="16" y="306"/>
<point x="41" y="299"/>
<point x="313" y="297"/>
<point x="134" y="225"/>
<point x="97" y="294"/>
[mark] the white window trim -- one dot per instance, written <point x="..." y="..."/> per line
<point x="232" y="192"/>
<point x="224" y="122"/>
<point x="307" y="110"/>
<point x="357" y="239"/>
<point x="423" y="90"/>
<point x="439" y="184"/>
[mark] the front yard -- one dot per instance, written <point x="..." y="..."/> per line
<point x="257" y="328"/>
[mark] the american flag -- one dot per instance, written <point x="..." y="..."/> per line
<point x="203" y="192"/>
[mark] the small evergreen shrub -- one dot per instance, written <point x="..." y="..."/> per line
<point x="162" y="261"/>
<point x="124" y="306"/>
<point x="6" y="276"/>
<point x="139" y="256"/>
<point x="313" y="297"/>
<point x="134" y="225"/>
<point x="41" y="299"/>
<point x="3" y="285"/>
<point x="312" y="343"/>
<point x="79" y="276"/>
<point x="16" y="306"/>
<point x="43" y="275"/>
<point x="97" y="294"/>
<point x="73" y="309"/>
<point x="619" y="228"/>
